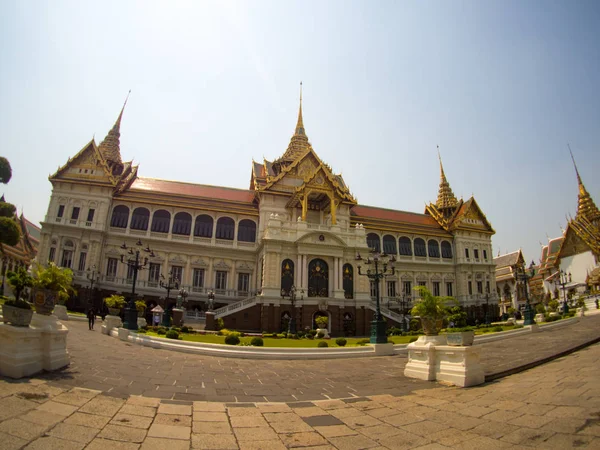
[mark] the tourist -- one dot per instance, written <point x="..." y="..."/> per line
<point x="91" y="315"/>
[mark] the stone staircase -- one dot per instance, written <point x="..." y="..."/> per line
<point x="235" y="307"/>
<point x="387" y="312"/>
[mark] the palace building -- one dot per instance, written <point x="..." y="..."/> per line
<point x="296" y="225"/>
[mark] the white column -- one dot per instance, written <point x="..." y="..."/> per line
<point x="305" y="272"/>
<point x="298" y="271"/>
<point x="341" y="274"/>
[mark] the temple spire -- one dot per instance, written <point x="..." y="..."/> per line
<point x="446" y="200"/>
<point x="299" y="141"/>
<point x="109" y="147"/>
<point x="585" y="205"/>
<point x="300" y="124"/>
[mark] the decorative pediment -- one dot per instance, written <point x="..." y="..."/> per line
<point x="245" y="267"/>
<point x="222" y="265"/>
<point x="199" y="262"/>
<point x="177" y="259"/>
<point x="470" y="217"/>
<point x="87" y="165"/>
<point x="112" y="251"/>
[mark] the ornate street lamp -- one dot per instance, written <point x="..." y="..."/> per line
<point x="168" y="284"/>
<point x="92" y="276"/>
<point x="211" y="300"/>
<point x="380" y="262"/>
<point x="135" y="263"/>
<point x="404" y="300"/>
<point x="291" y="294"/>
<point x="563" y="279"/>
<point x="522" y="276"/>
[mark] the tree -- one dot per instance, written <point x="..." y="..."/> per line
<point x="5" y="170"/>
<point x="19" y="280"/>
<point x="9" y="228"/>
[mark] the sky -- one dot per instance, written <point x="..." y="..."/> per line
<point x="501" y="86"/>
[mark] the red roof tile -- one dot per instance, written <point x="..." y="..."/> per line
<point x="392" y="215"/>
<point x="193" y="190"/>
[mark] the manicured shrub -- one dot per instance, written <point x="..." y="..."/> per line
<point x="232" y="339"/>
<point x="219" y="323"/>
<point x="313" y="332"/>
<point x="497" y="329"/>
<point x="412" y="339"/>
<point x="161" y="331"/>
<point x="320" y="335"/>
<point x="155" y="328"/>
<point x="280" y="336"/>
<point x="172" y="334"/>
<point x="309" y="336"/>
<point x="185" y="329"/>
<point x="257" y="342"/>
<point x="176" y="329"/>
<point x="363" y="341"/>
<point x="322" y="344"/>
<point x="142" y="330"/>
<point x="341" y="342"/>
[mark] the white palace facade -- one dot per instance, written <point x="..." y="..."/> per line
<point x="297" y="224"/>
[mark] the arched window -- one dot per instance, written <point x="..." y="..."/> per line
<point x="434" y="248"/>
<point x="140" y="219"/>
<point x="446" y="249"/>
<point x="247" y="231"/>
<point x="287" y="275"/>
<point x="420" y="249"/>
<point x="348" y="281"/>
<point x="389" y="244"/>
<point x="374" y="242"/>
<point x="182" y="223"/>
<point x="120" y="217"/>
<point x="161" y="220"/>
<point x="203" y="226"/>
<point x="405" y="246"/>
<point x="225" y="228"/>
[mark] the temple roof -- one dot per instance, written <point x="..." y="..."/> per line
<point x="510" y="259"/>
<point x="394" y="215"/>
<point x="446" y="199"/>
<point x="109" y="148"/>
<point x="192" y="190"/>
<point x="299" y="144"/>
<point x="585" y="205"/>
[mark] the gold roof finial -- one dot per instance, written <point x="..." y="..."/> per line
<point x="299" y="142"/>
<point x="300" y="124"/>
<point x="446" y="200"/>
<point x="585" y="205"/>
<point x="109" y="147"/>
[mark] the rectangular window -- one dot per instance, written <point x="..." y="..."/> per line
<point x="449" y="289"/>
<point x="111" y="267"/>
<point x="480" y="287"/>
<point x="82" y="258"/>
<point x="485" y="255"/>
<point x="373" y="289"/>
<point x="177" y="272"/>
<point x="422" y="283"/>
<point x="75" y="213"/>
<point x="243" y="282"/>
<point x="407" y="288"/>
<point x="153" y="274"/>
<point x="129" y="273"/>
<point x="487" y="287"/>
<point x="436" y="288"/>
<point x="221" y="280"/>
<point x="61" y="210"/>
<point x="52" y="254"/>
<point x="67" y="259"/>
<point x="467" y="253"/>
<point x="198" y="281"/>
<point x="470" y="284"/>
<point x="476" y="253"/>
<point x="90" y="217"/>
<point x="391" y="288"/>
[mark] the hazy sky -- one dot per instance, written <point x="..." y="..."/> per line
<point x="501" y="87"/>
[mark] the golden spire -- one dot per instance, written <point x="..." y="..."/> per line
<point x="300" y="124"/>
<point x="109" y="147"/>
<point x="585" y="205"/>
<point x="446" y="200"/>
<point x="299" y="142"/>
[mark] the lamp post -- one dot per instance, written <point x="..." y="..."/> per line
<point x="211" y="300"/>
<point x="375" y="275"/>
<point x="563" y="279"/>
<point x="522" y="276"/>
<point x="92" y="276"/>
<point x="404" y="301"/>
<point x="184" y="294"/>
<point x="170" y="284"/>
<point x="135" y="263"/>
<point x="291" y="294"/>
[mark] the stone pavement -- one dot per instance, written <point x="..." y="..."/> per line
<point x="556" y="405"/>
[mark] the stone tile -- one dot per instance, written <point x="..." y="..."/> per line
<point x="103" y="444"/>
<point x="493" y="430"/>
<point x="290" y="426"/>
<point x="309" y="411"/>
<point x="152" y="443"/>
<point x="22" y="429"/>
<point x="530" y="421"/>
<point x="263" y="445"/>
<point x="331" y="404"/>
<point x="138" y="400"/>
<point x="128" y="420"/>
<point x="248" y="422"/>
<point x="293" y="440"/>
<point x="87" y="420"/>
<point x="120" y="433"/>
<point x="335" y="431"/>
<point x="210" y="417"/>
<point x="452" y="437"/>
<point x="59" y="409"/>
<point x="536" y="409"/>
<point x="381" y="412"/>
<point x="562" y="441"/>
<point x="41" y="418"/>
<point x="53" y="443"/>
<point x="486" y="443"/>
<point x="214" y="442"/>
<point x="240" y="412"/>
<point x="75" y="433"/>
<point x="567" y="411"/>
<point x="568" y="425"/>
<point x="102" y="406"/>
<point x="180" y="410"/>
<point x="341" y="413"/>
<point x="361" y="421"/>
<point x="322" y="421"/>
<point x="379" y="432"/>
<point x="273" y="407"/>
<point x="424" y="428"/>
<point x="209" y="407"/>
<point x="401" y="419"/>
<point x="432" y="446"/>
<point x="138" y="410"/>
<point x="527" y="436"/>
<point x="510" y="405"/>
<point x="502" y="415"/>
<point x="169" y="431"/>
<point x="72" y="398"/>
<point x="211" y="428"/>
<point x="255" y="434"/>
<point x="356" y="442"/>
<point x="10" y="442"/>
<point x="173" y="419"/>
<point x="476" y="411"/>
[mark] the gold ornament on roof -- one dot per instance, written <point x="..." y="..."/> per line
<point x="446" y="200"/>
<point x="585" y="205"/>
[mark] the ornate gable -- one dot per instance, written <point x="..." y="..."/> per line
<point x="87" y="165"/>
<point x="470" y="217"/>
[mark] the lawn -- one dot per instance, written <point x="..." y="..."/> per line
<point x="282" y="343"/>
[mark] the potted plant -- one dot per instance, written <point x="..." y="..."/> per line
<point x="19" y="280"/>
<point x="140" y="305"/>
<point x="322" y="322"/>
<point x="17" y="312"/>
<point x="52" y="285"/>
<point x="114" y="303"/>
<point x="431" y="309"/>
<point x="458" y="333"/>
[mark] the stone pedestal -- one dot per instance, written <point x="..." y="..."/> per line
<point x="421" y="357"/>
<point x="325" y="332"/>
<point x="111" y="322"/>
<point x="177" y="317"/>
<point x="141" y="322"/>
<point x="60" y="311"/>
<point x="210" y="321"/>
<point x="383" y="349"/>
<point x="580" y="312"/>
<point x="54" y="348"/>
<point x="539" y="318"/>
<point x="459" y="365"/>
<point x="123" y="333"/>
<point x="44" y="322"/>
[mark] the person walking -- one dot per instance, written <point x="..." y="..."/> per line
<point x="91" y="315"/>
